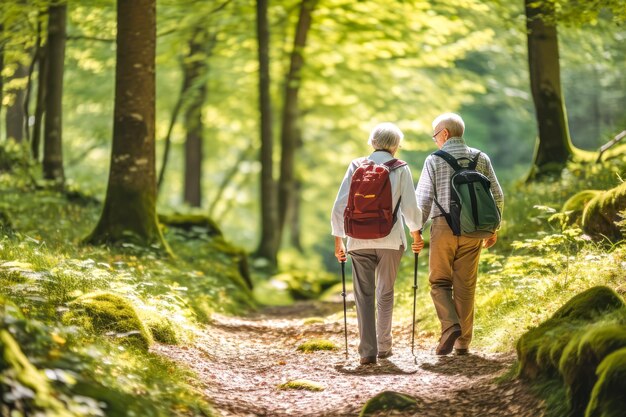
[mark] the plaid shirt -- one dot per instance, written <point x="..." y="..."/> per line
<point x="437" y="170"/>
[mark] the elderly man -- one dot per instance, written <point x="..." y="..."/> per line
<point x="453" y="259"/>
<point x="375" y="260"/>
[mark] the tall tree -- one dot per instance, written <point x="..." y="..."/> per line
<point x="554" y="146"/>
<point x="15" y="110"/>
<point x="195" y="71"/>
<point x="268" y="244"/>
<point x="1" y="64"/>
<point x="40" y="100"/>
<point x="290" y="116"/>
<point x="129" y="206"/>
<point x="53" y="126"/>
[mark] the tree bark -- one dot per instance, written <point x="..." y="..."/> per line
<point x="15" y="111"/>
<point x="268" y="244"/>
<point x="554" y="146"/>
<point x="289" y="129"/>
<point x="195" y="70"/>
<point x="53" y="126"/>
<point x="40" y="104"/>
<point x="1" y="68"/>
<point x="296" y="240"/>
<point x="129" y="211"/>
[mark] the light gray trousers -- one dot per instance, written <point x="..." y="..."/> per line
<point x="374" y="273"/>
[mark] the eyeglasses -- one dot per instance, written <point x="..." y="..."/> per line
<point x="436" y="133"/>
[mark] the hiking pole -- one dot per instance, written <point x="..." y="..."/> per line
<point x="414" y="301"/>
<point x="343" y="294"/>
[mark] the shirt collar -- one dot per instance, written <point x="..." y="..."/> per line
<point x="455" y="140"/>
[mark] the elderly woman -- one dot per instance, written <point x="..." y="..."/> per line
<point x="375" y="261"/>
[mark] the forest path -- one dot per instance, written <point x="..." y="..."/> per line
<point x="240" y="361"/>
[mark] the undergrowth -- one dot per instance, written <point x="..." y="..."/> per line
<point x="44" y="267"/>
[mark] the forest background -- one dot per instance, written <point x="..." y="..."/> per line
<point x="263" y="165"/>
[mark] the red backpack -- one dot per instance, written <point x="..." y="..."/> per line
<point x="370" y="213"/>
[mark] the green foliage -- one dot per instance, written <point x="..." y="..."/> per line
<point x="302" y="384"/>
<point x="317" y="344"/>
<point x="386" y="401"/>
<point x="607" y="397"/>
<point x="111" y="315"/>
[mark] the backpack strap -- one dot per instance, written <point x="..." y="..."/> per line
<point x="394" y="164"/>
<point x="451" y="160"/>
<point x="474" y="161"/>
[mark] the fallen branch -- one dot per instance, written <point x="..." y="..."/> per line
<point x="610" y="144"/>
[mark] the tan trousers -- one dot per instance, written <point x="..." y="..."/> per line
<point x="374" y="273"/>
<point x="453" y="265"/>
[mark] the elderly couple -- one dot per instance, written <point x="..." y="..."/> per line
<point x="453" y="260"/>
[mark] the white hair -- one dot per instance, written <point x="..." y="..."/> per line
<point x="451" y="121"/>
<point x="385" y="136"/>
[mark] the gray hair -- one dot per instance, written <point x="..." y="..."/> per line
<point x="451" y="121"/>
<point x="385" y="136"/>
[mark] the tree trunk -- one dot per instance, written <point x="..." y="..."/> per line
<point x="129" y="207"/>
<point x="195" y="70"/>
<point x="554" y="146"/>
<point x="15" y="111"/>
<point x="289" y="131"/>
<point x="53" y="126"/>
<point x="295" y="222"/>
<point x="268" y="244"/>
<point x="1" y="68"/>
<point x="40" y="105"/>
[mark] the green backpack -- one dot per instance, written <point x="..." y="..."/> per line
<point x="473" y="210"/>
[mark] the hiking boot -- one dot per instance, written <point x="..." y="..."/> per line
<point x="461" y="351"/>
<point x="448" y="337"/>
<point x="385" y="354"/>
<point x="368" y="360"/>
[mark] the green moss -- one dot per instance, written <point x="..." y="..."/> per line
<point x="607" y="397"/>
<point x="317" y="344"/>
<point x="302" y="384"/>
<point x="195" y="223"/>
<point x="590" y="303"/>
<point x="581" y="357"/>
<point x="13" y="359"/>
<point x="602" y="213"/>
<point x="539" y="349"/>
<point x="109" y="314"/>
<point x="162" y="330"/>
<point x="387" y="400"/>
<point x="575" y="205"/>
<point x="313" y="320"/>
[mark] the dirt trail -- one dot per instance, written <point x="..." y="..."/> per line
<point x="241" y="361"/>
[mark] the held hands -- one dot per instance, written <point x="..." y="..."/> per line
<point x="340" y="249"/>
<point x="418" y="242"/>
<point x="487" y="243"/>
